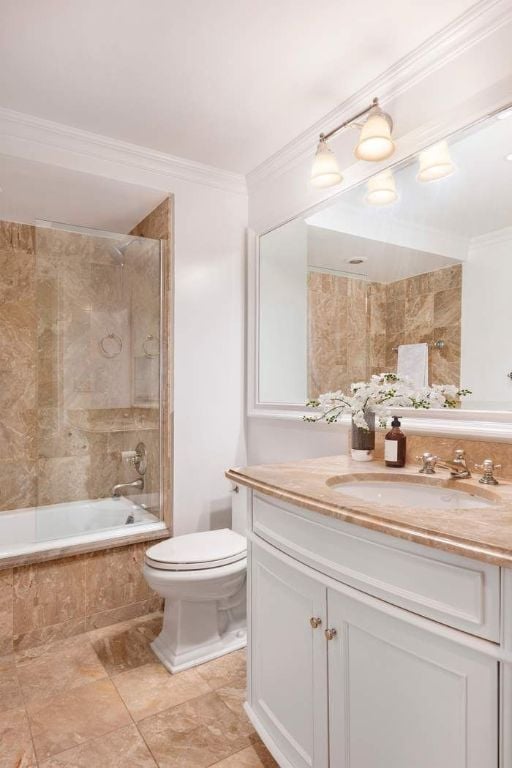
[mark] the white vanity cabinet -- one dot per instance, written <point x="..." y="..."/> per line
<point x="289" y="659"/>
<point x="401" y="696"/>
<point x="342" y="678"/>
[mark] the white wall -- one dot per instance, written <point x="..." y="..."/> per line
<point x="276" y="440"/>
<point x="283" y="314"/>
<point x="486" y="350"/>
<point x="209" y="354"/>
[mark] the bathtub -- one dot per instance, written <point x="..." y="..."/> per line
<point x="38" y="529"/>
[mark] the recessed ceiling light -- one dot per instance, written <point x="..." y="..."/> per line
<point x="356" y="261"/>
<point x="504" y="114"/>
<point x="508" y="157"/>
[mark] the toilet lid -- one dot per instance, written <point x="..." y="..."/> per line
<point x="194" y="551"/>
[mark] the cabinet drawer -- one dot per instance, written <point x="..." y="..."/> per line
<point x="451" y="589"/>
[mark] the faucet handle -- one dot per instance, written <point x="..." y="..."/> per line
<point x="428" y="463"/>
<point x="488" y="467"/>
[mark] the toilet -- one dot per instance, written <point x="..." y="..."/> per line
<point x="202" y="577"/>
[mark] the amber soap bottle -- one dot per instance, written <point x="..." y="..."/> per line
<point x="394" y="445"/>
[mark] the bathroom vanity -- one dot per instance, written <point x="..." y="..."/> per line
<point x="380" y="635"/>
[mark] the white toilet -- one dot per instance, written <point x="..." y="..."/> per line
<point x="202" y="577"/>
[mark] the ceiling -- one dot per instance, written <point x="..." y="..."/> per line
<point x="34" y="191"/>
<point x="381" y="262"/>
<point x="225" y="83"/>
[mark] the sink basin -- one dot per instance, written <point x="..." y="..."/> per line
<point x="401" y="493"/>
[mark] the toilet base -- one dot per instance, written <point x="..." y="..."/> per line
<point x="233" y="640"/>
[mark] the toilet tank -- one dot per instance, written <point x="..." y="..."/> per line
<point x="240" y="509"/>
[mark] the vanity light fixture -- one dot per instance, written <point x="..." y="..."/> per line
<point x="325" y="171"/>
<point x="381" y="189"/>
<point x="375" y="144"/>
<point x="435" y="162"/>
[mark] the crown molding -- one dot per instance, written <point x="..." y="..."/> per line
<point x="480" y="21"/>
<point x="30" y="135"/>
<point x="490" y="240"/>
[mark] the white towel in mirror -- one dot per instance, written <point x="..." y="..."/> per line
<point x="413" y="363"/>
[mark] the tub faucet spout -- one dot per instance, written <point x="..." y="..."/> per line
<point x="116" y="490"/>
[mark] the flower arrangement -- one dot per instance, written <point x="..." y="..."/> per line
<point x="379" y="396"/>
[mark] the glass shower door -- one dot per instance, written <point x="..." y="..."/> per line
<point x="98" y="306"/>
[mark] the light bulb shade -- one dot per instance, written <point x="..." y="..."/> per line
<point x="381" y="189"/>
<point x="325" y="171"/>
<point x="435" y="162"/>
<point x="375" y="142"/>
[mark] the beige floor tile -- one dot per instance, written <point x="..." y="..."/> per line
<point x="234" y="697"/>
<point x="151" y="688"/>
<point x="76" y="716"/>
<point x="127" y="645"/>
<point x="124" y="748"/>
<point x="196" y="734"/>
<point x="226" y="670"/>
<point x="10" y="691"/>
<point x="47" y="671"/>
<point x="15" y="743"/>
<point x="256" y="756"/>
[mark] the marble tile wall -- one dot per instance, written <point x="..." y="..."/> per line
<point x="476" y="450"/>
<point x="18" y="382"/>
<point x="337" y="332"/>
<point x="354" y="325"/>
<point x="159" y="224"/>
<point x="43" y="602"/>
<point x="426" y="308"/>
<point x="66" y="411"/>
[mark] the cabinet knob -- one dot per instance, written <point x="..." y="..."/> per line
<point x="315" y="622"/>
<point x="330" y="634"/>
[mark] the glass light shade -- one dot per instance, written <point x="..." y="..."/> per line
<point x="435" y="163"/>
<point x="325" y="171"/>
<point x="381" y="189"/>
<point x="375" y="142"/>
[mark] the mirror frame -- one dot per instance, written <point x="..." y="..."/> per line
<point x="478" y="424"/>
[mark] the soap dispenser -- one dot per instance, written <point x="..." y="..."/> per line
<point x="394" y="445"/>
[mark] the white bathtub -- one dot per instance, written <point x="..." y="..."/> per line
<point x="36" y="529"/>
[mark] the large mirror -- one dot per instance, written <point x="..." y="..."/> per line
<point x="410" y="272"/>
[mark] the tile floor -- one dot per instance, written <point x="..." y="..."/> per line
<point x="103" y="700"/>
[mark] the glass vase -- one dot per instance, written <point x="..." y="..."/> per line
<point x="363" y="440"/>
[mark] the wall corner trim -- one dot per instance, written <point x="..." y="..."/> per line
<point x="28" y="136"/>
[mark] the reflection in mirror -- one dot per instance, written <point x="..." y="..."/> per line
<point x="419" y="255"/>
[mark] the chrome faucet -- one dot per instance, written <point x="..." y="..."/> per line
<point x="458" y="466"/>
<point x="116" y="490"/>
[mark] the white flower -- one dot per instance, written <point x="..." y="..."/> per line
<point x="380" y="395"/>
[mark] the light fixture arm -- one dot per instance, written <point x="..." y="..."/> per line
<point x="346" y="123"/>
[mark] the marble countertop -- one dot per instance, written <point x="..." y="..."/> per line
<point x="480" y="533"/>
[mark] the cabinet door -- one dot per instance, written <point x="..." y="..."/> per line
<point x="402" y="696"/>
<point x="289" y="658"/>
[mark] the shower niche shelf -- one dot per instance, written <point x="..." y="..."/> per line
<point x="131" y="420"/>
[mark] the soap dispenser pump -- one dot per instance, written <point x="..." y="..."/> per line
<point x="395" y="445"/>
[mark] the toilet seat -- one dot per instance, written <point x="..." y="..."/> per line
<point x="197" y="551"/>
